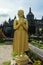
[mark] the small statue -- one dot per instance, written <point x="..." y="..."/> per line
<point x="13" y="62"/>
<point x="2" y="36"/>
<point x="20" y="41"/>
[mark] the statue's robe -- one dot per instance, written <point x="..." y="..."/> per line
<point x="20" y="40"/>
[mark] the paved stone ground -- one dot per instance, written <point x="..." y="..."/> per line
<point x="5" y="53"/>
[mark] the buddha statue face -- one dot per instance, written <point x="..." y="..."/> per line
<point x="20" y="13"/>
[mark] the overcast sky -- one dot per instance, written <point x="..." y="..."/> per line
<point x="9" y="8"/>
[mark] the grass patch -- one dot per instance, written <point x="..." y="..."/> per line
<point x="7" y="63"/>
<point x="2" y="43"/>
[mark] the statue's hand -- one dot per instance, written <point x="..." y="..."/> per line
<point x="23" y="23"/>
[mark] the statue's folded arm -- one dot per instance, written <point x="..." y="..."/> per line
<point x="16" y="25"/>
<point x="25" y="25"/>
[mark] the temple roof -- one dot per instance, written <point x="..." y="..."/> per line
<point x="30" y="13"/>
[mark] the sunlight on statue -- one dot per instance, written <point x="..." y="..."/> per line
<point x="20" y="41"/>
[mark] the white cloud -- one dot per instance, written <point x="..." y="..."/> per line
<point x="2" y="10"/>
<point x="11" y="7"/>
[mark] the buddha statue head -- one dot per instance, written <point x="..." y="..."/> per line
<point x="20" y="13"/>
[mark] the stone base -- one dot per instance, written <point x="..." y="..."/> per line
<point x="22" y="60"/>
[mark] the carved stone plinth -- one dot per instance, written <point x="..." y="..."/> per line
<point x="22" y="60"/>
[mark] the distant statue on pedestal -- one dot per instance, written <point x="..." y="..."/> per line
<point x="2" y="36"/>
<point x="20" y="41"/>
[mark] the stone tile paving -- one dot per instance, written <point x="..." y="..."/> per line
<point x="5" y="53"/>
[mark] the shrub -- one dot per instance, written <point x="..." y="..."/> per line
<point x="14" y="54"/>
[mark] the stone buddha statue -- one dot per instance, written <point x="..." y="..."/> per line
<point x="20" y="40"/>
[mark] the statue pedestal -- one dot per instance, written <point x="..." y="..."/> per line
<point x="22" y="60"/>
